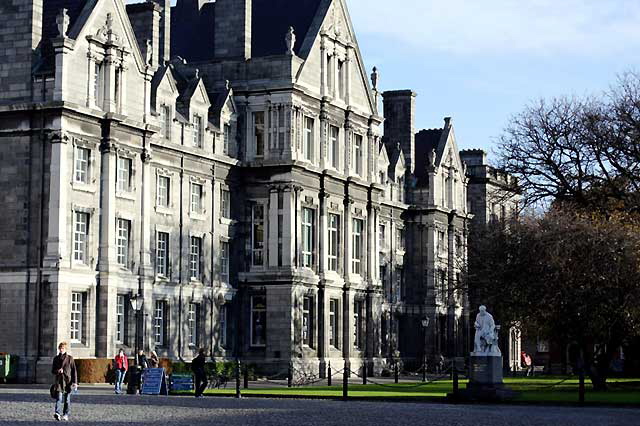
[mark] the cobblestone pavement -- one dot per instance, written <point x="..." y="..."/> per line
<point x="97" y="406"/>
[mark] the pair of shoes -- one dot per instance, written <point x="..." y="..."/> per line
<point x="65" y="418"/>
<point x="57" y="416"/>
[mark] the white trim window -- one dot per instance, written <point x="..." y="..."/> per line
<point x="195" y="258"/>
<point x="334" y="140"/>
<point x="122" y="242"/>
<point x="97" y="85"/>
<point x="163" y="191"/>
<point x="341" y="79"/>
<point x="307" y="237"/>
<point x="334" y="315"/>
<point x="357" y="154"/>
<point x="224" y="261"/>
<point x="382" y="230"/>
<point x="197" y="131"/>
<point x="196" y="197"/>
<point x="192" y="322"/>
<point x="225" y="203"/>
<point x="120" y="318"/>
<point x="358" y="324"/>
<point x="162" y="254"/>
<point x="222" y="324"/>
<point x="399" y="239"/>
<point x="81" y="167"/>
<point x="307" y="142"/>
<point x="166" y="118"/>
<point x="307" y="321"/>
<point x="257" y="234"/>
<point x="226" y="137"/>
<point x="159" y="322"/>
<point x="334" y="241"/>
<point x="124" y="174"/>
<point x="77" y="307"/>
<point x="258" y="132"/>
<point x="357" y="246"/>
<point x="258" y="320"/>
<point x="80" y="237"/>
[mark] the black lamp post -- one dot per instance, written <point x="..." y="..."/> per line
<point x="137" y="302"/>
<point x="425" y="325"/>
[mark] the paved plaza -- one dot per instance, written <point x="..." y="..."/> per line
<point x="96" y="406"/>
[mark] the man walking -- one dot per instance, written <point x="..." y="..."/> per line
<point x="197" y="366"/>
<point x="66" y="381"/>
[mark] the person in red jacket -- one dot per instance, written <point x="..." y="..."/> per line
<point x="121" y="365"/>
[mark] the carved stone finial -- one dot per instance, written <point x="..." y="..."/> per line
<point x="109" y="22"/>
<point x="432" y="158"/>
<point x="227" y="84"/>
<point x="149" y="52"/>
<point x="62" y="20"/>
<point x="374" y="78"/>
<point x="290" y="40"/>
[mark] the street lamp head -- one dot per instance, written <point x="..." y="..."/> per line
<point x="425" y="322"/>
<point x="136" y="302"/>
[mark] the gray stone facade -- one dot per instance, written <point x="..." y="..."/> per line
<point x="249" y="196"/>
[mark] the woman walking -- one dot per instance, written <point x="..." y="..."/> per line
<point x="65" y="381"/>
<point x="153" y="360"/>
<point x="121" y="365"/>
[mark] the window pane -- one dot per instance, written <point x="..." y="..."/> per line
<point x="82" y="165"/>
<point x="162" y="250"/>
<point x="76" y="316"/>
<point x="195" y="257"/>
<point x="80" y="237"/>
<point x="258" y="320"/>
<point x="123" y="241"/>
<point x="258" y="234"/>
<point x="258" y="119"/>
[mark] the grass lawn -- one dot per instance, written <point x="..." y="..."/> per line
<point x="531" y="390"/>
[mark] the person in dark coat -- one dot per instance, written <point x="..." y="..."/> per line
<point x="197" y="366"/>
<point x="65" y="379"/>
<point x="141" y="365"/>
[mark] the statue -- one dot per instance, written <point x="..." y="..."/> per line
<point x="432" y="158"/>
<point x="62" y="20"/>
<point x="374" y="78"/>
<point x="486" y="339"/>
<point x="290" y="39"/>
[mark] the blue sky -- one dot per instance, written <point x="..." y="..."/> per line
<point x="482" y="61"/>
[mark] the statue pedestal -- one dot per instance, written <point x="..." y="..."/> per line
<point x="485" y="380"/>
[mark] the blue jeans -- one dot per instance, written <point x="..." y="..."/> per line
<point x="119" y="379"/>
<point x="63" y="404"/>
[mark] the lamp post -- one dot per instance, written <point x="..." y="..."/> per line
<point x="425" y="324"/>
<point x="137" y="301"/>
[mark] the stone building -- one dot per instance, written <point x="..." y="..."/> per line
<point x="223" y="162"/>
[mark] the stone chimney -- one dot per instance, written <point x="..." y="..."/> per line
<point x="164" y="46"/>
<point x="399" y="123"/>
<point x="21" y="23"/>
<point x="232" y="37"/>
<point x="145" y="20"/>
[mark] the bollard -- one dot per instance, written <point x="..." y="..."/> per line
<point x="329" y="374"/>
<point x="345" y="382"/>
<point x="290" y="376"/>
<point x="364" y="373"/>
<point x="246" y="377"/>
<point x="424" y="368"/>
<point x="395" y="371"/>
<point x="581" y="387"/>
<point x="455" y="379"/>
<point x="238" y="378"/>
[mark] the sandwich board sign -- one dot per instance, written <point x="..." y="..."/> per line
<point x="154" y="382"/>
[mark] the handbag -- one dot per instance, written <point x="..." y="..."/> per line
<point x="54" y="391"/>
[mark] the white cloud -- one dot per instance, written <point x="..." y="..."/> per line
<point x="548" y="27"/>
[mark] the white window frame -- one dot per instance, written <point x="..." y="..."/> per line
<point x="197" y="130"/>
<point x="307" y="139"/>
<point x="257" y="244"/>
<point x="76" y="318"/>
<point x="334" y="147"/>
<point x="225" y="203"/>
<point x="81" y="236"/>
<point x="334" y="315"/>
<point x="120" y="317"/>
<point x="125" y="171"/>
<point x="82" y="165"/>
<point x="358" y="324"/>
<point x="159" y="322"/>
<point x="261" y="313"/>
<point x="195" y="258"/>
<point x="167" y="119"/>
<point x="196" y="196"/>
<point x="162" y="254"/>
<point x="224" y="261"/>
<point x="333" y="239"/>
<point x="307" y="223"/>
<point x="163" y="191"/>
<point x="357" y="246"/>
<point x="222" y="321"/>
<point x="123" y="236"/>
<point x="358" y="141"/>
<point x="192" y="323"/>
<point x="307" y="321"/>
<point x="226" y="137"/>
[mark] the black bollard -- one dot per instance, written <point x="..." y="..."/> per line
<point x="238" y="379"/>
<point x="290" y="376"/>
<point x="364" y="373"/>
<point x="581" y="387"/>
<point x="246" y="377"/>
<point x="395" y="371"/>
<point x="345" y="382"/>
<point x="329" y="374"/>
<point x="424" y="368"/>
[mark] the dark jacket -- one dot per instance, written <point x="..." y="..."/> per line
<point x="69" y="374"/>
<point x="141" y="362"/>
<point x="197" y="365"/>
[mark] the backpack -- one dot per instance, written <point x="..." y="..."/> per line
<point x="54" y="391"/>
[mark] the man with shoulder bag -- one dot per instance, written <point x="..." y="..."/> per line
<point x="65" y="380"/>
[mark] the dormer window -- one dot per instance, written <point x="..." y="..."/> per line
<point x="165" y="116"/>
<point x="98" y="92"/>
<point x="227" y="137"/>
<point x="197" y="131"/>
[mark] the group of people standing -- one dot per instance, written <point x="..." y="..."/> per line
<point x="121" y="366"/>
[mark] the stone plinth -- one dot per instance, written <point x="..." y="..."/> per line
<point x="485" y="371"/>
